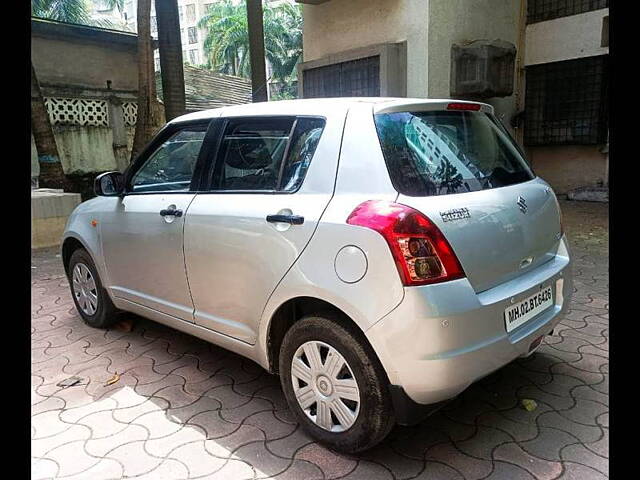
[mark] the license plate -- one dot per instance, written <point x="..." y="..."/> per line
<point x="521" y="312"/>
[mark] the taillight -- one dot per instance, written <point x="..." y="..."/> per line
<point x="421" y="252"/>
<point x="464" y="106"/>
<point x="561" y="223"/>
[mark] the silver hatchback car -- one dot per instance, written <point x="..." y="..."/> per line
<point x="379" y="254"/>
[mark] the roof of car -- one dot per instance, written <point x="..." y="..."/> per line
<point x="322" y="106"/>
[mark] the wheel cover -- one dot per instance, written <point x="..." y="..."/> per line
<point x="325" y="387"/>
<point x="84" y="289"/>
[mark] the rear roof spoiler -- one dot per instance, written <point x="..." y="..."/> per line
<point x="422" y="105"/>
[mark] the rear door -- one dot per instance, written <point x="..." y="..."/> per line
<point x="270" y="181"/>
<point x="462" y="170"/>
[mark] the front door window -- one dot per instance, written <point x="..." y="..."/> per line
<point x="171" y="166"/>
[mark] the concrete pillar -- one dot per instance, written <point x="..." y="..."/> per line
<point x="118" y="127"/>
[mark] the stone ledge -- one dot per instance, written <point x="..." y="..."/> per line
<point x="589" y="194"/>
<point x="52" y="203"/>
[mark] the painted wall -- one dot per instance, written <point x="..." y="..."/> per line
<point x="429" y="27"/>
<point x="340" y="25"/>
<point x="568" y="167"/>
<point x="51" y="60"/>
<point x="565" y="38"/>
<point x="460" y="21"/>
<point x="90" y="149"/>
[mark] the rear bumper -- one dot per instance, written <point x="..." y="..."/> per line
<point x="443" y="337"/>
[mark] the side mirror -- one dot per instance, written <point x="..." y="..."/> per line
<point x="109" y="184"/>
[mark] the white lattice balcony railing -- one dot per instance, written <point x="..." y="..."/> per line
<point x="78" y="111"/>
<point x="130" y="113"/>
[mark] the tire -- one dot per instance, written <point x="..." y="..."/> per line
<point x="367" y="421"/>
<point x="93" y="303"/>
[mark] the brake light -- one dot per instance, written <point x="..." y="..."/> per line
<point x="464" y="106"/>
<point x="420" y="250"/>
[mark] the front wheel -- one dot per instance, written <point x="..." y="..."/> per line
<point x="334" y="384"/>
<point x="91" y="299"/>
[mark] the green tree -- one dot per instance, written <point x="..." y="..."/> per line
<point x="227" y="39"/>
<point x="72" y="11"/>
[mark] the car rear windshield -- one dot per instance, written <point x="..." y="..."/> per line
<point x="444" y="152"/>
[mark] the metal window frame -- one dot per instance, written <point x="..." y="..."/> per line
<point x="543" y="10"/>
<point x="566" y="102"/>
<point x="392" y="71"/>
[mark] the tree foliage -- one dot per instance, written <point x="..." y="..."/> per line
<point x="72" y="11"/>
<point x="227" y="39"/>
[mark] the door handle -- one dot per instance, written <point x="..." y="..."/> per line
<point x="170" y="212"/>
<point x="290" y="219"/>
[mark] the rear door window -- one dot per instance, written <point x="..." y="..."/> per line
<point x="265" y="154"/>
<point x="445" y="152"/>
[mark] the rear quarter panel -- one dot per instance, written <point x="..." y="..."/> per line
<point x="361" y="176"/>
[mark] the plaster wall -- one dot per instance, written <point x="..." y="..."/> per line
<point x="84" y="64"/>
<point x="565" y="38"/>
<point x="341" y="25"/>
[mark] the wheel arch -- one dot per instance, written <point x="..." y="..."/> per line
<point x="70" y="245"/>
<point x="294" y="309"/>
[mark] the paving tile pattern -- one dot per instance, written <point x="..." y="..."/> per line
<point x="183" y="408"/>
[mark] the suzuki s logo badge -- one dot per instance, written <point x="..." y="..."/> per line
<point x="522" y="205"/>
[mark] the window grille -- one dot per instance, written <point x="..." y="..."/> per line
<point x="191" y="13"/>
<point x="566" y="102"/>
<point x="541" y="10"/>
<point x="130" y="113"/>
<point x="77" y="111"/>
<point x="193" y="35"/>
<point x="356" y="78"/>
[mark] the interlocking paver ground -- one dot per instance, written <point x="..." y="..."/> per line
<point x="187" y="409"/>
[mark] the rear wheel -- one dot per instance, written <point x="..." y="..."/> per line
<point x="91" y="299"/>
<point x="334" y="384"/>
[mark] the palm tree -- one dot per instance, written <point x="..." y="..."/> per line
<point x="72" y="11"/>
<point x="51" y="172"/>
<point x="227" y="39"/>
<point x="171" y="69"/>
<point x="147" y="120"/>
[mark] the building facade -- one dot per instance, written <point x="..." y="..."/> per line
<point x="565" y="111"/>
<point x="92" y="104"/>
<point x="555" y="68"/>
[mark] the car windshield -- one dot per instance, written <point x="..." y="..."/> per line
<point x="445" y="152"/>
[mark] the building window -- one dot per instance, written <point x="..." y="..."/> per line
<point x="207" y="7"/>
<point x="157" y="64"/>
<point x="193" y="34"/>
<point x="541" y="10"/>
<point x="181" y="15"/>
<point x="566" y="102"/>
<point x="154" y="25"/>
<point x="194" y="57"/>
<point x="191" y="13"/>
<point x="356" y="78"/>
<point x="604" y="38"/>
